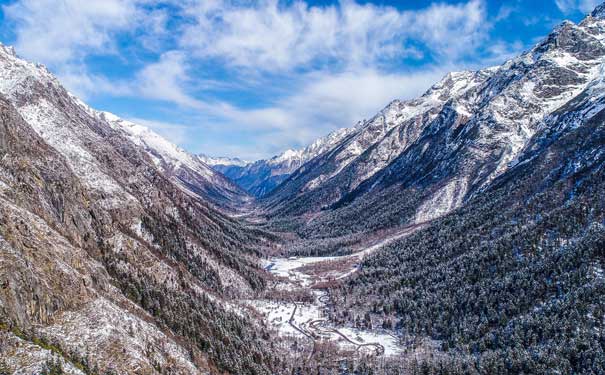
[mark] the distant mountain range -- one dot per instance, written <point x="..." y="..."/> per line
<point x="224" y="161"/>
<point x="261" y="177"/>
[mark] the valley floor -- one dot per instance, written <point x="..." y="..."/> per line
<point x="301" y="312"/>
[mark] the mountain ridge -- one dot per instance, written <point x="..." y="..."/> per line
<point x="259" y="178"/>
<point x="104" y="255"/>
<point x="471" y="127"/>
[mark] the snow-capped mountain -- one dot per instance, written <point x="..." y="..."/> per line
<point x="105" y="252"/>
<point x="191" y="172"/>
<point x="420" y="159"/>
<point x="261" y="177"/>
<point x="212" y="161"/>
<point x="523" y="255"/>
<point x="372" y="145"/>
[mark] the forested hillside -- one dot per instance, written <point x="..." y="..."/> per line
<point x="513" y="282"/>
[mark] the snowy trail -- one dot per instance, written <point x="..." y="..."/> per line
<point x="316" y="330"/>
<point x="318" y="327"/>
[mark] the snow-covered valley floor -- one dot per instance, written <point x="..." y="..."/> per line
<point x="300" y="275"/>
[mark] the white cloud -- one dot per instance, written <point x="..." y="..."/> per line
<point x="341" y="62"/>
<point x="60" y="31"/>
<point x="569" y="6"/>
<point x="327" y="102"/>
<point x="166" y="80"/>
<point x="276" y="36"/>
<point x="84" y="85"/>
<point x="506" y="10"/>
<point x="64" y="33"/>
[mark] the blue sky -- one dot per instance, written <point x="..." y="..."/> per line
<point x="253" y="78"/>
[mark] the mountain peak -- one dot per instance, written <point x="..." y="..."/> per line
<point x="599" y="12"/>
<point x="222" y="160"/>
<point x="10" y="50"/>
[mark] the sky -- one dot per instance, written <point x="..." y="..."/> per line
<point x="251" y="79"/>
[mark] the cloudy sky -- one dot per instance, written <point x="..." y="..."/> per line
<point x="252" y="78"/>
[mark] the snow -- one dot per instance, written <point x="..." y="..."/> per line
<point x="137" y="228"/>
<point x="522" y="97"/>
<point x="290" y="160"/>
<point x="26" y="358"/>
<point x="388" y="341"/>
<point x="102" y="323"/>
<point x="4" y="187"/>
<point x="287" y="267"/>
<point x="289" y="155"/>
<point x="564" y="58"/>
<point x="599" y="12"/>
<point x="212" y="161"/>
<point x="314" y="183"/>
<point x="384" y="148"/>
<point x="443" y="201"/>
<point x="160" y="149"/>
<point x="51" y="124"/>
<point x="19" y="78"/>
<point x="278" y="314"/>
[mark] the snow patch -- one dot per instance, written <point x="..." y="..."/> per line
<point x="443" y="201"/>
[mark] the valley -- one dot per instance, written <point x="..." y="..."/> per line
<point x="460" y="232"/>
<point x="309" y="317"/>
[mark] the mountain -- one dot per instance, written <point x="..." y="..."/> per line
<point x="191" y="172"/>
<point x="212" y="161"/>
<point x="372" y="145"/>
<point x="513" y="281"/>
<point x="478" y="209"/>
<point x="261" y="177"/>
<point x="418" y="160"/>
<point x="108" y="261"/>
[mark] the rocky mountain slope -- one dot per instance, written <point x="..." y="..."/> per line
<point x="418" y="160"/>
<point x="261" y="177"/>
<point x="513" y="281"/>
<point x="189" y="171"/>
<point x="107" y="264"/>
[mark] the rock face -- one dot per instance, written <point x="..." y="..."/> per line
<point x="107" y="258"/>
<point x="418" y="160"/>
<point x="261" y="177"/>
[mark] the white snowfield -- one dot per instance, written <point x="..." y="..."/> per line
<point x="388" y="341"/>
<point x="278" y="314"/>
<point x="288" y="267"/>
<point x="212" y="161"/>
